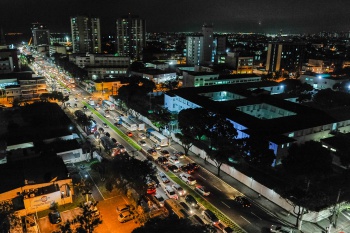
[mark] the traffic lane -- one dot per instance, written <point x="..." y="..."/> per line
<point x="222" y="196"/>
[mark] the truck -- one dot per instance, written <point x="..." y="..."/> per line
<point x="108" y="105"/>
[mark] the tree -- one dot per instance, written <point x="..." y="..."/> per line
<point x="309" y="160"/>
<point x="170" y="225"/>
<point x="186" y="142"/>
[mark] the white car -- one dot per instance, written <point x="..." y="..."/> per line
<point x="142" y="136"/>
<point x="179" y="190"/>
<point x="163" y="177"/>
<point x="202" y="190"/>
<point x="281" y="229"/>
<point x="173" y="159"/>
<point x="142" y="143"/>
<point x="188" y="179"/>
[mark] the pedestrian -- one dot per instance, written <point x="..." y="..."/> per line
<point x="259" y="195"/>
<point x="205" y="160"/>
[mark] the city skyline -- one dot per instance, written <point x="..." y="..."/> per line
<point x="182" y="16"/>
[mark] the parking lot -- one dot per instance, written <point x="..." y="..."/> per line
<point x="47" y="227"/>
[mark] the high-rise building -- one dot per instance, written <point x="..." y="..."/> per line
<point x="200" y="48"/>
<point x="40" y="34"/>
<point x="130" y="36"/>
<point x="86" y="34"/>
<point x="208" y="56"/>
<point x="285" y="57"/>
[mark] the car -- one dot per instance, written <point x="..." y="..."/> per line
<point x="101" y="130"/>
<point x="179" y="154"/>
<point x="173" y="168"/>
<point x="122" y="208"/>
<point x="243" y="201"/>
<point x="156" y="146"/>
<point x="84" y="97"/>
<point x="105" y="125"/>
<point x="188" y="179"/>
<point x="117" y="124"/>
<point x="169" y="191"/>
<point x="186" y="207"/>
<point x="163" y="177"/>
<point x="228" y="230"/>
<point x="193" y="166"/>
<point x="85" y="108"/>
<point x="122" y="148"/>
<point x="280" y="229"/>
<point x="192" y="201"/>
<point x="125" y="216"/>
<point x="162" y="160"/>
<point x="173" y="159"/>
<point x="198" y="219"/>
<point x="179" y="189"/>
<point x="114" y="140"/>
<point x="202" y="190"/>
<point x="68" y="105"/>
<point x="55" y="217"/>
<point x="129" y="134"/>
<point x="210" y="216"/>
<point x="142" y="143"/>
<point x="159" y="200"/>
<point x="76" y="99"/>
<point x="75" y="105"/>
<point x="142" y="136"/>
<point x="164" y="152"/>
<point x="107" y="134"/>
<point x="186" y="169"/>
<point x="152" y="151"/>
<point x="106" y="114"/>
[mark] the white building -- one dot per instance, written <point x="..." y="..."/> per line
<point x="322" y="81"/>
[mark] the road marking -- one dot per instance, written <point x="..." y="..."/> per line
<point x="226" y="204"/>
<point x="217" y="188"/>
<point x="280" y="221"/>
<point x="202" y="177"/>
<point x="245" y="219"/>
<point x="256" y="215"/>
<point x="96" y="185"/>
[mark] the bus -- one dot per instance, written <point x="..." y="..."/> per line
<point x="140" y="124"/>
<point x="158" y="138"/>
<point x="108" y="105"/>
<point x="175" y="208"/>
<point x="128" y="124"/>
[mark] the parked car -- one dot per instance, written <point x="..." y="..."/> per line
<point x="243" y="201"/>
<point x="202" y="190"/>
<point x="188" y="179"/>
<point x="282" y="229"/>
<point x="122" y="208"/>
<point x="125" y="216"/>
<point x="55" y="217"/>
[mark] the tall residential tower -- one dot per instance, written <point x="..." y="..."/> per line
<point x="40" y="34"/>
<point x="130" y="36"/>
<point x="86" y="34"/>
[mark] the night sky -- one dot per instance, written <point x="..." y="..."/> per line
<point x="264" y="16"/>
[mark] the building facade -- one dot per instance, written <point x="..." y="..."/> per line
<point x="86" y="34"/>
<point x="40" y="34"/>
<point x="285" y="57"/>
<point x="130" y="36"/>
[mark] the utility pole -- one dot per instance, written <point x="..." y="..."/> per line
<point x="335" y="210"/>
<point x="303" y="208"/>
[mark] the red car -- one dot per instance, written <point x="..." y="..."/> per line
<point x="129" y="134"/>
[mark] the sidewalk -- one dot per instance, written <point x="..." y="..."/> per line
<point x="261" y="201"/>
